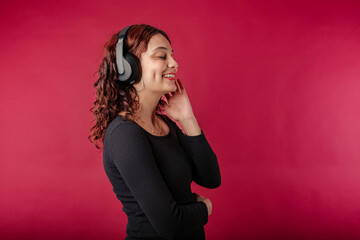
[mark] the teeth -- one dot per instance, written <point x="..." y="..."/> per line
<point x="169" y="75"/>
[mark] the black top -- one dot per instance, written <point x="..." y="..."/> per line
<point x="151" y="176"/>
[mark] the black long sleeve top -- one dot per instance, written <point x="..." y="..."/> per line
<point x="151" y="176"/>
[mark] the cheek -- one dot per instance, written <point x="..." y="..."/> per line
<point x="153" y="70"/>
<point x="151" y="73"/>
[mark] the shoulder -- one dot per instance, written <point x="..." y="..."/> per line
<point x="126" y="141"/>
<point x="119" y="128"/>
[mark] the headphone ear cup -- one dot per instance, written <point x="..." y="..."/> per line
<point x="135" y="67"/>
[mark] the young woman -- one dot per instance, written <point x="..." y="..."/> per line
<point x="148" y="159"/>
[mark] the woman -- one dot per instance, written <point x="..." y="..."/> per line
<point x="148" y="159"/>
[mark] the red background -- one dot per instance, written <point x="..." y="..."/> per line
<point x="274" y="85"/>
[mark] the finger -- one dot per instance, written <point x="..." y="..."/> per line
<point x="164" y="98"/>
<point x="168" y="96"/>
<point x="178" y="86"/>
<point x="163" y="103"/>
<point x="181" y="84"/>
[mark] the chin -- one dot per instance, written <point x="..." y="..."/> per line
<point x="172" y="88"/>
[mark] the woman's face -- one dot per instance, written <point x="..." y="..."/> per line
<point x="157" y="61"/>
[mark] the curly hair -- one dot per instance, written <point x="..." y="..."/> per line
<point x="113" y="96"/>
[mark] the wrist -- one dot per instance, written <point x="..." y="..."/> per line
<point x="190" y="117"/>
<point x="190" y="126"/>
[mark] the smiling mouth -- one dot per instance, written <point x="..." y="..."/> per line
<point x="169" y="76"/>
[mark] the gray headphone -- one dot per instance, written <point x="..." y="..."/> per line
<point x="128" y="65"/>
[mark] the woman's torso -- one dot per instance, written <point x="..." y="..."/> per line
<point x="176" y="169"/>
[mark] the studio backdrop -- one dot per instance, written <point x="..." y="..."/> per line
<point x="274" y="85"/>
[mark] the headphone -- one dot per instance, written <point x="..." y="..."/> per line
<point x="128" y="65"/>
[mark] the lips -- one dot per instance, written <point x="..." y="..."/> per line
<point x="170" y="76"/>
<point x="172" y="79"/>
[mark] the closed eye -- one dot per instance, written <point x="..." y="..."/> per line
<point x="164" y="57"/>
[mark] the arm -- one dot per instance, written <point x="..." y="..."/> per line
<point x="207" y="172"/>
<point x="133" y="157"/>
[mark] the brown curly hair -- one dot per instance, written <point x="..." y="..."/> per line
<point x="113" y="96"/>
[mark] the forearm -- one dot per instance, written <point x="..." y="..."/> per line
<point x="190" y="126"/>
<point x="207" y="172"/>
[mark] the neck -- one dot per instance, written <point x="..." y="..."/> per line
<point x="148" y="102"/>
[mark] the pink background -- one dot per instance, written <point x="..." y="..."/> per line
<point x="274" y="86"/>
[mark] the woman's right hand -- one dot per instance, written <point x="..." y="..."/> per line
<point x="205" y="200"/>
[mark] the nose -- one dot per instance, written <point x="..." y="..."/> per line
<point x="173" y="64"/>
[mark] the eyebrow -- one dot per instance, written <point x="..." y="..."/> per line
<point x="162" y="48"/>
